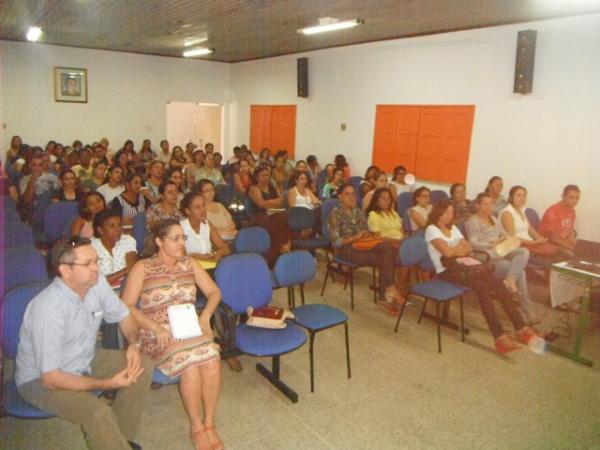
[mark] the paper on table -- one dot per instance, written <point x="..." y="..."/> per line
<point x="468" y="261"/>
<point x="183" y="321"/>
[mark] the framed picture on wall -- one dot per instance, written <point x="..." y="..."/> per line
<point x="70" y="85"/>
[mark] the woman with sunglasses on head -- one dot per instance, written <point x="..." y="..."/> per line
<point x="445" y="240"/>
<point x="171" y="278"/>
<point x="116" y="250"/>
<point x="216" y="213"/>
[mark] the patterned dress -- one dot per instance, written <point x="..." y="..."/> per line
<point x="164" y="287"/>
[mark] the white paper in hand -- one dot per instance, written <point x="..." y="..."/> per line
<point x="183" y="321"/>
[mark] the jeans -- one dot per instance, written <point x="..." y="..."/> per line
<point x="382" y="257"/>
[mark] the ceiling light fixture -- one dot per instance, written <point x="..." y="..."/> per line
<point x="330" y="24"/>
<point x="192" y="40"/>
<point x="33" y="34"/>
<point x="200" y="51"/>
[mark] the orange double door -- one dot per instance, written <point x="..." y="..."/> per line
<point x="432" y="142"/>
<point x="273" y="127"/>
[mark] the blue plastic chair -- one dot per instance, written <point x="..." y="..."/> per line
<point x="437" y="196"/>
<point x="252" y="240"/>
<point x="55" y="217"/>
<point x="14" y="305"/>
<point x="139" y="231"/>
<point x="338" y="265"/>
<point x="16" y="235"/>
<point x="244" y="280"/>
<point x="23" y="264"/>
<point x="160" y="379"/>
<point x="294" y="269"/>
<point x="413" y="251"/>
<point x="66" y="230"/>
<point x="404" y="202"/>
<point x="304" y="219"/>
<point x="355" y="181"/>
<point x="533" y="217"/>
<point x="225" y="194"/>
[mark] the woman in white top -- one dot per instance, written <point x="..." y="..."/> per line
<point x="445" y="240"/>
<point x="515" y="223"/>
<point x="300" y="195"/>
<point x="398" y="181"/>
<point x="216" y="212"/>
<point x="113" y="186"/>
<point x="201" y="237"/>
<point x="422" y="208"/>
<point x="116" y="250"/>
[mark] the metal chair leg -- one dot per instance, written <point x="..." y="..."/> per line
<point x="438" y="323"/>
<point x="312" y="361"/>
<point x="347" y="349"/>
<point x="399" y="317"/>
<point x="325" y="280"/>
<point x="462" y="319"/>
<point x="351" y="276"/>
<point x="422" y="310"/>
<point x="375" y="286"/>
<point x="302" y="293"/>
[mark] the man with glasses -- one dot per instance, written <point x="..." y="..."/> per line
<point x="58" y="365"/>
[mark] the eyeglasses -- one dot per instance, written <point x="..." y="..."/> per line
<point x="90" y="263"/>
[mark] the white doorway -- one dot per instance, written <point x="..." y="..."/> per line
<point x="195" y="122"/>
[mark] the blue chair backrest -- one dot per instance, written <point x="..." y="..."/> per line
<point x="225" y="194"/>
<point x="139" y="231"/>
<point x="244" y="280"/>
<point x="66" y="231"/>
<point x="406" y="222"/>
<point x="23" y="265"/>
<point x="300" y="218"/>
<point x="55" y="217"/>
<point x="403" y="203"/>
<point x="325" y="210"/>
<point x="294" y="268"/>
<point x="13" y="309"/>
<point x="252" y="240"/>
<point x="17" y="234"/>
<point x="437" y="196"/>
<point x="413" y="251"/>
<point x="533" y="217"/>
<point x="285" y="199"/>
<point x="355" y="181"/>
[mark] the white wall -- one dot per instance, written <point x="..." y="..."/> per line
<point x="544" y="140"/>
<point x="127" y="93"/>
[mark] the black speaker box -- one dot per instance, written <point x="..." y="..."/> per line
<point x="302" y="77"/>
<point x="525" y="62"/>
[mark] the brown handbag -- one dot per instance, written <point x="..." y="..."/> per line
<point x="367" y="244"/>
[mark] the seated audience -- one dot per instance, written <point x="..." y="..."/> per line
<point x="419" y="213"/>
<point x="330" y="190"/>
<point x="280" y="173"/>
<point x="38" y="183"/>
<point x="494" y="188"/>
<point x="484" y="233"/>
<point x="176" y="176"/>
<point x="131" y="202"/>
<point x="445" y="240"/>
<point x="217" y="160"/>
<point x="217" y="214"/>
<point x="58" y="363"/>
<point x="210" y="171"/>
<point x="146" y="152"/>
<point x="203" y="242"/>
<point x="68" y="191"/>
<point x="236" y="156"/>
<point x="313" y="166"/>
<point x="166" y="208"/>
<point x="98" y="176"/>
<point x="84" y="170"/>
<point x="264" y="158"/>
<point x="164" y="154"/>
<point x="123" y="160"/>
<point x="368" y="182"/>
<point x="515" y="223"/>
<point x="242" y="177"/>
<point x="301" y="195"/>
<point x="170" y="278"/>
<point x="399" y="182"/>
<point x="558" y="222"/>
<point x="341" y="163"/>
<point x="463" y="207"/>
<point x="189" y="152"/>
<point x="347" y="224"/>
<point x="154" y="178"/>
<point x="264" y="198"/>
<point x="381" y="181"/>
<point x="90" y="204"/>
<point x="177" y="158"/>
<point x="113" y="186"/>
<point x="116" y="251"/>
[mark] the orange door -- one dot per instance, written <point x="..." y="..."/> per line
<point x="273" y="127"/>
<point x="260" y="127"/>
<point x="396" y="134"/>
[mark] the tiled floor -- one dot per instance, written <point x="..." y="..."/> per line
<point x="402" y="394"/>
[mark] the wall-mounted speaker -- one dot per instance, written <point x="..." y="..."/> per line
<point x="525" y="62"/>
<point x="302" y="77"/>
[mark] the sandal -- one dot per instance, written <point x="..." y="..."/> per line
<point x="394" y="297"/>
<point x="214" y="439"/>
<point x="388" y="307"/>
<point x="201" y="440"/>
<point x="505" y="344"/>
<point x="234" y="364"/>
<point x="526" y="333"/>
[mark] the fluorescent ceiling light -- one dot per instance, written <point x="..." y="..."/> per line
<point x="192" y="40"/>
<point x="328" y="24"/>
<point x="200" y="51"/>
<point x="34" y="33"/>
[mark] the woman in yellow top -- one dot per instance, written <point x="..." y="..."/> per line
<point x="383" y="219"/>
